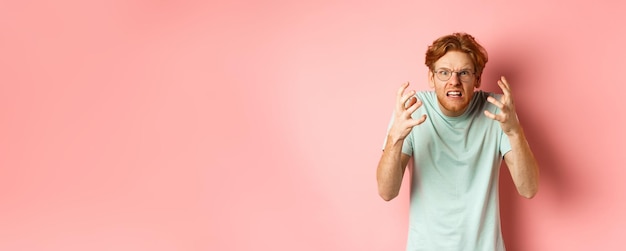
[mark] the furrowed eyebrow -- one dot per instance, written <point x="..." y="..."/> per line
<point x="448" y="69"/>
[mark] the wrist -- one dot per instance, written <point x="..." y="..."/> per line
<point x="516" y="133"/>
<point x="394" y="140"/>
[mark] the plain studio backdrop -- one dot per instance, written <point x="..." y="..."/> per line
<point x="258" y="125"/>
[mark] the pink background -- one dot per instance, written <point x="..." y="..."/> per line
<point x="257" y="125"/>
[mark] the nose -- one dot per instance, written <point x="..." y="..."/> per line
<point x="454" y="79"/>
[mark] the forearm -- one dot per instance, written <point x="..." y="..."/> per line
<point x="523" y="165"/>
<point x="390" y="169"/>
<point x="392" y="162"/>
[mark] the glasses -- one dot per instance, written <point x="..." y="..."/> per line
<point x="446" y="74"/>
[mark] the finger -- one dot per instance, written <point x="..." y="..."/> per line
<point x="412" y="100"/>
<point x="495" y="102"/>
<point x="411" y="109"/>
<point x="401" y="89"/>
<point x="492" y="116"/>
<point x="403" y="100"/>
<point x="419" y="121"/>
<point x="504" y="85"/>
<point x="505" y="82"/>
<point x="506" y="98"/>
<point x="399" y="94"/>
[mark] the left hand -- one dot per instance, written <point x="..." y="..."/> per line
<point x="507" y="116"/>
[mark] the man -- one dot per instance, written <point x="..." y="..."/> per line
<point x="457" y="136"/>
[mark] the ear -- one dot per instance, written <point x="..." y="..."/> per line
<point x="477" y="82"/>
<point x="431" y="79"/>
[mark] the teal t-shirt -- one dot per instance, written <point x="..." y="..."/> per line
<point x="454" y="185"/>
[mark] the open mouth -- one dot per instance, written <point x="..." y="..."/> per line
<point x="454" y="94"/>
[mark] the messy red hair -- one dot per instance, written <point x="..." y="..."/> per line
<point x="462" y="42"/>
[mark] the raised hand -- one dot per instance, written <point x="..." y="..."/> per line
<point x="406" y="104"/>
<point x="507" y="116"/>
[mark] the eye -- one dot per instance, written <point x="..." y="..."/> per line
<point x="464" y="73"/>
<point x="443" y="72"/>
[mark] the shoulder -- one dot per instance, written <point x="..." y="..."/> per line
<point x="481" y="100"/>
<point x="426" y="95"/>
<point x="483" y="94"/>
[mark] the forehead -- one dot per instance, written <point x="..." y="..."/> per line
<point x="455" y="60"/>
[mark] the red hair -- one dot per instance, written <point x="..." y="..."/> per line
<point x="462" y="42"/>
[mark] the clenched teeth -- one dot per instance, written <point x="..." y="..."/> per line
<point x="453" y="93"/>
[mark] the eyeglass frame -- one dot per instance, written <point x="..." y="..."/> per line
<point x="471" y="73"/>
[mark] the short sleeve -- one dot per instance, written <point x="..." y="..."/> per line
<point x="407" y="146"/>
<point x="505" y="144"/>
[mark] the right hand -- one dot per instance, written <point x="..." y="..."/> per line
<point x="403" y="123"/>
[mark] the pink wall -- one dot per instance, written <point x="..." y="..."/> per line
<point x="163" y="125"/>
